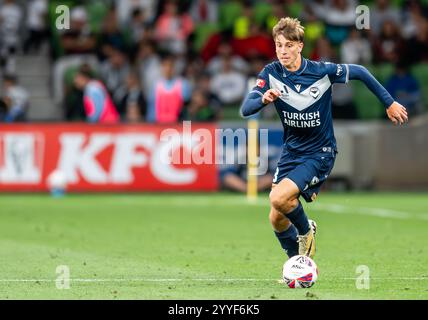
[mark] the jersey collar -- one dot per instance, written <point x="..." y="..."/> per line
<point x="299" y="71"/>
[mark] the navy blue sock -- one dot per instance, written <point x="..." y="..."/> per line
<point x="288" y="241"/>
<point x="299" y="219"/>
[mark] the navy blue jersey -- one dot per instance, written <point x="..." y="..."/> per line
<point x="304" y="105"/>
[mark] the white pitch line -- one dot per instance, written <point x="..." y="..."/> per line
<point x="197" y="280"/>
<point x="377" y="212"/>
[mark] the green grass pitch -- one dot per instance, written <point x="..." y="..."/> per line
<point x="207" y="246"/>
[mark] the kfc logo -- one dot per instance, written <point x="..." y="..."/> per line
<point x="79" y="156"/>
<point x="21" y="157"/>
<point x="116" y="158"/>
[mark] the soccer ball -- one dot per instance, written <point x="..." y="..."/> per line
<point x="300" y="272"/>
<point x="57" y="183"/>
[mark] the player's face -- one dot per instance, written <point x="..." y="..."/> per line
<point x="288" y="51"/>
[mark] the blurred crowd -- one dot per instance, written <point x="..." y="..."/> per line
<point x="165" y="61"/>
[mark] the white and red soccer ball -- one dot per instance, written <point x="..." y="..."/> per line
<point x="300" y="272"/>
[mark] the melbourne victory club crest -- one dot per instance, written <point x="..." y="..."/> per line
<point x="314" y="92"/>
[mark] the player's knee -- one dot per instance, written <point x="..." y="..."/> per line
<point x="276" y="200"/>
<point x="281" y="202"/>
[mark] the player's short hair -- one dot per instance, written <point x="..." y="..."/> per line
<point x="86" y="71"/>
<point x="290" y="28"/>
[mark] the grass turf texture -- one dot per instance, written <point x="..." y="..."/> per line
<point x="207" y="246"/>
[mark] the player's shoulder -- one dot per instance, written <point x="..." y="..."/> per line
<point x="272" y="68"/>
<point x="319" y="65"/>
<point x="323" y="67"/>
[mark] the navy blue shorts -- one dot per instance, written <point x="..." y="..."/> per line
<point x="307" y="172"/>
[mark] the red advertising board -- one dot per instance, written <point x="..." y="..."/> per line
<point x="105" y="158"/>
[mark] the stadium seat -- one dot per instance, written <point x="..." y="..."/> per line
<point x="420" y="72"/>
<point x="261" y="12"/>
<point x="231" y="113"/>
<point x="382" y="72"/>
<point x="203" y="31"/>
<point x="69" y="75"/>
<point x="97" y="10"/>
<point x="368" y="106"/>
<point x="228" y="13"/>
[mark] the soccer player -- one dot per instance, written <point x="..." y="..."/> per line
<point x="301" y="91"/>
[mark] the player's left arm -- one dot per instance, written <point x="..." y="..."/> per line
<point x="395" y="111"/>
<point x="95" y="99"/>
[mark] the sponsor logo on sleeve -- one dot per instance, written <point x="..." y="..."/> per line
<point x="339" y="70"/>
<point x="260" y="83"/>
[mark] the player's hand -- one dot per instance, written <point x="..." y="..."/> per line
<point x="397" y="113"/>
<point x="270" y="96"/>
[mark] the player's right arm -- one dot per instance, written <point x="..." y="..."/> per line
<point x="260" y="96"/>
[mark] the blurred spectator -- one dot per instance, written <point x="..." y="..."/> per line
<point x="10" y="23"/>
<point x="278" y="11"/>
<point x="415" y="30"/>
<point x="244" y="23"/>
<point x="224" y="52"/>
<point x="114" y="71"/>
<point x="15" y="100"/>
<point x="257" y="44"/>
<point x="99" y="107"/>
<point x="318" y="7"/>
<point x="172" y="29"/>
<point x="199" y="108"/>
<point x="356" y="49"/>
<point x="148" y="65"/>
<point x="126" y="7"/>
<point x="314" y="28"/>
<point x="74" y="109"/>
<point x="79" y="38"/>
<point x="404" y="88"/>
<point x="3" y="109"/>
<point x="233" y="176"/>
<point x="132" y="105"/>
<point x="137" y="26"/>
<point x="414" y="20"/>
<point x="379" y="13"/>
<point x="229" y="85"/>
<point x="204" y="11"/>
<point x="169" y="95"/>
<point x="111" y="37"/>
<point x="37" y="11"/>
<point x="388" y="47"/>
<point x="339" y="18"/>
<point x="323" y="51"/>
<point x="193" y="68"/>
<point x="204" y="84"/>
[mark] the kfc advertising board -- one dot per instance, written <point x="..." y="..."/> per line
<point x="107" y="158"/>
